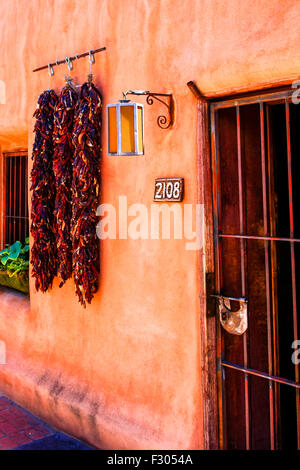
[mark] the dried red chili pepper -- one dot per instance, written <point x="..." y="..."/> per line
<point x="62" y="167"/>
<point x="43" y="251"/>
<point x="85" y="192"/>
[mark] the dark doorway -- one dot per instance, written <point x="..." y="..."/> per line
<point x="257" y="258"/>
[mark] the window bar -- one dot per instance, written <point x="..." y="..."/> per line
<point x="20" y="197"/>
<point x="216" y="194"/>
<point x="3" y="198"/>
<point x="10" y="197"/>
<point x="26" y="198"/>
<point x="220" y="270"/>
<point x="12" y="188"/>
<point x="273" y="274"/>
<point x="262" y="375"/>
<point x="267" y="274"/>
<point x="241" y="209"/>
<point x="291" y="212"/>
<point x="220" y="340"/>
<point x="15" y="194"/>
<point x="255" y="237"/>
<point x="23" y="194"/>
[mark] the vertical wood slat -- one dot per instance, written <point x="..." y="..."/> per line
<point x="218" y="281"/>
<point x="243" y="276"/>
<point x="293" y="267"/>
<point x="221" y="395"/>
<point x="274" y="278"/>
<point x="267" y="273"/>
<point x="207" y="320"/>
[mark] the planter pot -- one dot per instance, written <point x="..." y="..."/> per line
<point x="19" y="281"/>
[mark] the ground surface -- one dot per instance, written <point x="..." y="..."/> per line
<point x="21" y="430"/>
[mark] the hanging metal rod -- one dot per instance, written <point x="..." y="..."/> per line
<point x="77" y="56"/>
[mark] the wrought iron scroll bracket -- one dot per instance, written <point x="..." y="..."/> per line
<point x="164" y="122"/>
<point x="234" y="322"/>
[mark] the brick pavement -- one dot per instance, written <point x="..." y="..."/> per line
<point x="18" y="427"/>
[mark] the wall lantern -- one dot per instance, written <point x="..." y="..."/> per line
<point x="125" y="123"/>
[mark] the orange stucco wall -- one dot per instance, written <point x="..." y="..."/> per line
<point x="126" y="372"/>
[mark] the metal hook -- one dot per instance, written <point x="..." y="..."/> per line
<point x="50" y="70"/>
<point x="91" y="57"/>
<point x="69" y="63"/>
<point x="91" y="61"/>
<point x="50" y="73"/>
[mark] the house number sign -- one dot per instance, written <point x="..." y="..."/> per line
<point x="169" y="189"/>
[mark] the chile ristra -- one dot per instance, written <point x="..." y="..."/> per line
<point x="43" y="251"/>
<point x="85" y="192"/>
<point x="62" y="167"/>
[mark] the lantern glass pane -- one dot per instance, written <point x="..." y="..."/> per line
<point x="140" y="129"/>
<point x="127" y="129"/>
<point x="112" y="130"/>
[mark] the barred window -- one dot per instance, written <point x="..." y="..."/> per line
<point x="15" y="193"/>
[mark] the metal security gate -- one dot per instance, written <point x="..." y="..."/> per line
<point x="256" y="199"/>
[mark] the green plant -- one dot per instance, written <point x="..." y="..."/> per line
<point x="15" y="258"/>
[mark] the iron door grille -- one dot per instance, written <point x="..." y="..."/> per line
<point x="248" y="240"/>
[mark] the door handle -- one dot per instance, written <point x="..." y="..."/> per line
<point x="235" y="323"/>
